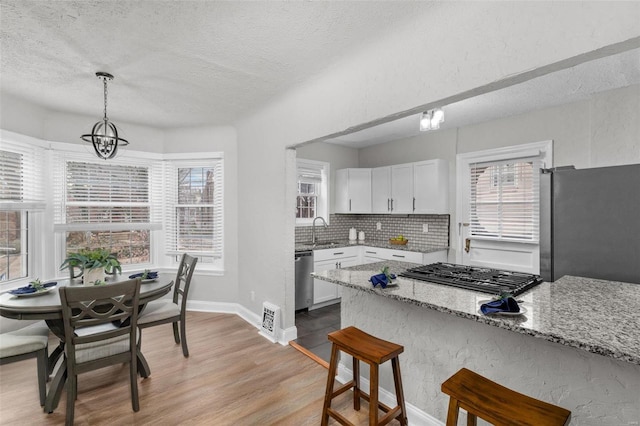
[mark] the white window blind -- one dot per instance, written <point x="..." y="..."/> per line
<point x="194" y="207"/>
<point x="105" y="196"/>
<point x="21" y="172"/>
<point x="505" y="199"/>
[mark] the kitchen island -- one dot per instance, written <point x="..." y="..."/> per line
<point x="577" y="346"/>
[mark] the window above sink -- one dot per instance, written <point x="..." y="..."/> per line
<point x="313" y="191"/>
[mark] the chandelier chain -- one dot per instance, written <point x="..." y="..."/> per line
<point x="104" y="80"/>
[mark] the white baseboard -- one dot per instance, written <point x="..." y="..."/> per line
<point x="284" y="336"/>
<point x="415" y="416"/>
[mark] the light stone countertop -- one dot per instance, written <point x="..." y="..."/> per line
<point x="420" y="248"/>
<point x="597" y="316"/>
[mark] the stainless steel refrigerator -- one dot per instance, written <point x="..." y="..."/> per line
<point x="590" y="223"/>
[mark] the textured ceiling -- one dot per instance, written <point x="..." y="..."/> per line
<point x="190" y="63"/>
<point x="179" y="63"/>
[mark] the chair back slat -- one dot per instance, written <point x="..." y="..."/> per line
<point x="183" y="280"/>
<point x="83" y="307"/>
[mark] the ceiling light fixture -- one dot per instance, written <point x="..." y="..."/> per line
<point x="431" y="119"/>
<point x="104" y="135"/>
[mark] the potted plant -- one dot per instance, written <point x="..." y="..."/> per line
<point x="94" y="264"/>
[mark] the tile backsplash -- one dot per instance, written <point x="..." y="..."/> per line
<point x="410" y="226"/>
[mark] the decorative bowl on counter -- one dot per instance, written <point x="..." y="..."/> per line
<point x="398" y="242"/>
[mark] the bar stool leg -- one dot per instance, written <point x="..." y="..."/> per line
<point x="356" y="384"/>
<point x="373" y="396"/>
<point x="333" y="365"/>
<point x="397" y="380"/>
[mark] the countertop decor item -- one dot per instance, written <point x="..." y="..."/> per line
<point x="398" y="241"/>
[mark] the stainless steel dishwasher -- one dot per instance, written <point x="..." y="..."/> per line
<point x="304" y="282"/>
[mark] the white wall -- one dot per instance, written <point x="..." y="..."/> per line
<point x="339" y="157"/>
<point x="404" y="71"/>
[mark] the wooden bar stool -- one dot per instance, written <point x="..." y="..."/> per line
<point x="481" y="397"/>
<point x="364" y="347"/>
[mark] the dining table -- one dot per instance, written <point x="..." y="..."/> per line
<point x="47" y="306"/>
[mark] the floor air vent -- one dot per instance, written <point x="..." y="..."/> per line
<point x="270" y="321"/>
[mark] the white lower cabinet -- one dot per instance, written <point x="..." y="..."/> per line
<point x="325" y="293"/>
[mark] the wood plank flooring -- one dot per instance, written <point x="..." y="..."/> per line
<point x="232" y="377"/>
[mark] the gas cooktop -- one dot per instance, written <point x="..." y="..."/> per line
<point x="483" y="280"/>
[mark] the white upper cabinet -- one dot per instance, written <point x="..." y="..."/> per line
<point x="353" y="191"/>
<point x="431" y="187"/>
<point x="381" y="190"/>
<point x="412" y="188"/>
<point x="402" y="188"/>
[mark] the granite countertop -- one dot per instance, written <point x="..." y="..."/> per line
<point x="594" y="315"/>
<point x="420" y="248"/>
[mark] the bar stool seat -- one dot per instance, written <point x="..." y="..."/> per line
<point x="499" y="405"/>
<point x="364" y="347"/>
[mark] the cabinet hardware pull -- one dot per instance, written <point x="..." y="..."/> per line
<point x="414" y="204"/>
<point x="397" y="255"/>
<point x="388" y="204"/>
<point x="392" y="204"/>
<point x="371" y="252"/>
<point x="339" y="252"/>
<point x="349" y="204"/>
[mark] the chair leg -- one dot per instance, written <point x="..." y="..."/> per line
<point x="176" y="335"/>
<point x="72" y="393"/>
<point x="397" y="379"/>
<point x="452" y="413"/>
<point x="133" y="378"/>
<point x="333" y="366"/>
<point x="356" y="384"/>
<point x="183" y="332"/>
<point x="373" y="396"/>
<point x="43" y="373"/>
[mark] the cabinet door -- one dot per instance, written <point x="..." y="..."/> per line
<point x="431" y="187"/>
<point x="353" y="191"/>
<point x="402" y="188"/>
<point x="360" y="190"/>
<point x="341" y="190"/>
<point x="381" y="190"/>
<point x="324" y="291"/>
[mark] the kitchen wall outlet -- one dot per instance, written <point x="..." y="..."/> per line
<point x="425" y="228"/>
<point x="378" y="226"/>
<point x="253" y="296"/>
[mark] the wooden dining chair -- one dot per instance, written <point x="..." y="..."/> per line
<point x="172" y="311"/>
<point x="100" y="327"/>
<point x="25" y="343"/>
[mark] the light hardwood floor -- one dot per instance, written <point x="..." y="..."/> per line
<point x="233" y="376"/>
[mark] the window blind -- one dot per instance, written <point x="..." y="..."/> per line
<point x="101" y="196"/>
<point x="309" y="172"/>
<point x="505" y="199"/>
<point x="194" y="207"/>
<point x="21" y="174"/>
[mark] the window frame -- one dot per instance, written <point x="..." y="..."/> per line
<point x="209" y="261"/>
<point x="32" y="204"/>
<point x="543" y="150"/>
<point x="323" y="196"/>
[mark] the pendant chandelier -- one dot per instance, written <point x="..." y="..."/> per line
<point x="104" y="135"/>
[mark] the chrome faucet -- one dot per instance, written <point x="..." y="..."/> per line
<point x="313" y="228"/>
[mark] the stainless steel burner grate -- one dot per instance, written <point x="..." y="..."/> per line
<point x="483" y="280"/>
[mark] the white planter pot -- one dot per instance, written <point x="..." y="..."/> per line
<point x="91" y="275"/>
